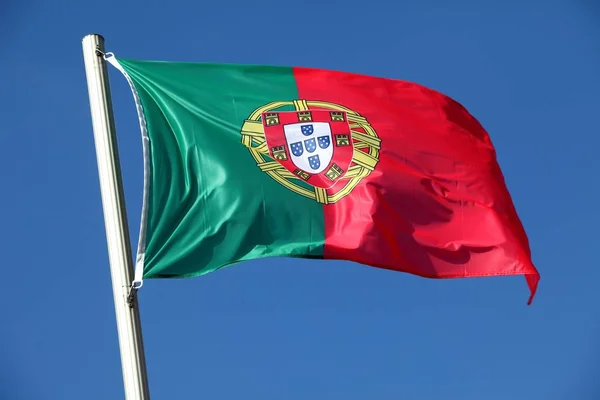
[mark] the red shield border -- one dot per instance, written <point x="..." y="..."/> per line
<point x="279" y="148"/>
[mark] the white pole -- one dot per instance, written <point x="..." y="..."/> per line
<point x="129" y="329"/>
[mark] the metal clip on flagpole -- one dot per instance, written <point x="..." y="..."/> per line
<point x="131" y="346"/>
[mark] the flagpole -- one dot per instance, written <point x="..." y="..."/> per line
<point x="129" y="329"/>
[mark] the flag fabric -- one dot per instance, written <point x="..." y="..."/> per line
<point x="246" y="161"/>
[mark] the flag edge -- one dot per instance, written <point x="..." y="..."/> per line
<point x="141" y="245"/>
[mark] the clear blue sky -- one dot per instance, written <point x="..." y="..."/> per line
<point x="293" y="329"/>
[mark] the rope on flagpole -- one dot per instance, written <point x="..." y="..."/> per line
<point x="138" y="279"/>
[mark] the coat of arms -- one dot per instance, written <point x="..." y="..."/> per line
<point x="320" y="150"/>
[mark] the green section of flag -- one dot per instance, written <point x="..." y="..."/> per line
<point x="209" y="205"/>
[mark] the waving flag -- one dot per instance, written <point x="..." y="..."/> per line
<point x="244" y="162"/>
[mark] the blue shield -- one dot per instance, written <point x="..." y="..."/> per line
<point x="307" y="130"/>
<point x="297" y="149"/>
<point x="324" y="142"/>
<point x="314" y="162"/>
<point x="311" y="145"/>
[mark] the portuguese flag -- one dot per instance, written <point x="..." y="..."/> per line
<point x="245" y="161"/>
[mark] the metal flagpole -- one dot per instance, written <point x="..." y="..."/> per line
<point x="133" y="362"/>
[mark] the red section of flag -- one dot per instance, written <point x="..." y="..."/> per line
<point x="436" y="204"/>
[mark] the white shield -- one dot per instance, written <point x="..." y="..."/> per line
<point x="310" y="145"/>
